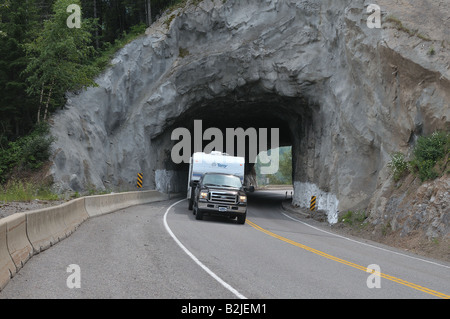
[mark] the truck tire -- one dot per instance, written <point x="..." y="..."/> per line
<point x="191" y="198"/>
<point x="198" y="214"/>
<point x="241" y="218"/>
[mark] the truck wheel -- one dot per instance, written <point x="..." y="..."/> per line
<point x="198" y="214"/>
<point x="241" y="218"/>
<point x="191" y="199"/>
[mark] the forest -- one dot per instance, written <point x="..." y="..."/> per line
<point x="41" y="59"/>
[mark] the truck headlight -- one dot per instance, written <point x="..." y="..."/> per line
<point x="242" y="199"/>
<point x="203" y="195"/>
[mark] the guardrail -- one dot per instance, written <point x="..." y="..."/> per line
<point x="24" y="234"/>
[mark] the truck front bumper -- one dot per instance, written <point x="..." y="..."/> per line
<point x="222" y="209"/>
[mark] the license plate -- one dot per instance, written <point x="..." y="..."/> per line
<point x="222" y="209"/>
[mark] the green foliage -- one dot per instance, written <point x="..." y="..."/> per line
<point x="432" y="147"/>
<point x="285" y="167"/>
<point x="59" y="58"/>
<point x="18" y="25"/>
<point x="353" y="217"/>
<point x="102" y="60"/>
<point x="398" y="165"/>
<point x="425" y="169"/>
<point x="25" y="191"/>
<point x="431" y="51"/>
<point x="28" y="152"/>
<point x="401" y="27"/>
<point x="428" y="151"/>
<point x="183" y="52"/>
<point x="41" y="58"/>
<point x="284" y="174"/>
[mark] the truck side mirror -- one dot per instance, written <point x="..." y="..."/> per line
<point x="250" y="188"/>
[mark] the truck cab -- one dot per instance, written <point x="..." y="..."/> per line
<point x="220" y="194"/>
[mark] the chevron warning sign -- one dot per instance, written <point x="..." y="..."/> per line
<point x="312" y="206"/>
<point x="140" y="178"/>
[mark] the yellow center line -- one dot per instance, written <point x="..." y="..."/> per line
<point x="348" y="263"/>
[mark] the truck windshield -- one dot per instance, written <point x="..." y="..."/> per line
<point x="222" y="180"/>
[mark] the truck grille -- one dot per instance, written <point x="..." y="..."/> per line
<point x="223" y="197"/>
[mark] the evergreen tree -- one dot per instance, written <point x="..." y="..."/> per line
<point x="41" y="58"/>
<point x="19" y="21"/>
<point x="59" y="59"/>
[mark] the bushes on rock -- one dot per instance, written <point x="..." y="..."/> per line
<point x="428" y="151"/>
<point x="28" y="152"/>
<point x="398" y="165"/>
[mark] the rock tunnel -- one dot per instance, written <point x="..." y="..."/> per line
<point x="248" y="108"/>
<point x="310" y="68"/>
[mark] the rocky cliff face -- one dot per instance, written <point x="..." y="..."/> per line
<point x="347" y="95"/>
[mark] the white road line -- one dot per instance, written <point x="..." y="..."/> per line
<point x="365" y="244"/>
<point x="198" y="262"/>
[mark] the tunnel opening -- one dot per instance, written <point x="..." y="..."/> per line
<point x="248" y="109"/>
<point x="283" y="176"/>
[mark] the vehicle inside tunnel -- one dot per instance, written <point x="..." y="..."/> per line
<point x="260" y="120"/>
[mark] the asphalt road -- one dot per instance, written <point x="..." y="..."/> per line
<point x="160" y="251"/>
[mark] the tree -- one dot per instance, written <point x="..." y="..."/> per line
<point x="285" y="166"/>
<point x="59" y="59"/>
<point x="19" y="21"/>
<point x="41" y="59"/>
<point x="284" y="174"/>
<point x="148" y="11"/>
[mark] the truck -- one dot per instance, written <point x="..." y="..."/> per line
<point x="216" y="186"/>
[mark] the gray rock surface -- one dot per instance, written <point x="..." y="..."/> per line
<point x="350" y="95"/>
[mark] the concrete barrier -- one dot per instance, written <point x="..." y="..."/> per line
<point x="104" y="204"/>
<point x="7" y="267"/>
<point x="19" y="246"/>
<point x="47" y="226"/>
<point x="76" y="215"/>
